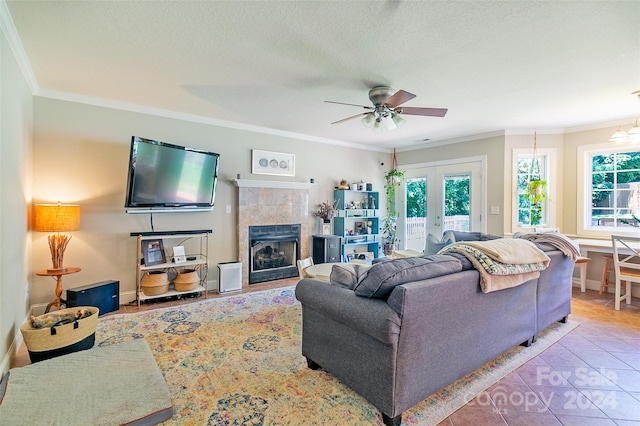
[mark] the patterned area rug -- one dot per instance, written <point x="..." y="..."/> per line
<point x="237" y="360"/>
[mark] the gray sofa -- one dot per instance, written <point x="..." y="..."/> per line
<point x="426" y="326"/>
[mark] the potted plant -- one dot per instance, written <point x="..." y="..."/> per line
<point x="536" y="192"/>
<point x="326" y="211"/>
<point x="393" y="179"/>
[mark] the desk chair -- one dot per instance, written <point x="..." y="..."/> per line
<point x="302" y="265"/>
<point x="626" y="262"/>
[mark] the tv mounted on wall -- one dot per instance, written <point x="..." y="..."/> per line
<point x="170" y="178"/>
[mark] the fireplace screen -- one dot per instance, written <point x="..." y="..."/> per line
<point x="273" y="252"/>
<point x="274" y="255"/>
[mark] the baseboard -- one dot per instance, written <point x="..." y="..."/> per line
<point x="9" y="356"/>
<point x="212" y="285"/>
<point x="126" y="297"/>
<point x="595" y="285"/>
<point x="13" y="349"/>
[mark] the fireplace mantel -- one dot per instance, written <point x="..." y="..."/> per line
<point x="249" y="183"/>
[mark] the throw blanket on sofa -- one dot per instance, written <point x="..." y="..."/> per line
<point x="559" y="241"/>
<point x="502" y="263"/>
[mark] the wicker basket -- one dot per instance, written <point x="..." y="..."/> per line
<point x="155" y="283"/>
<point x="48" y="342"/>
<point x="186" y="280"/>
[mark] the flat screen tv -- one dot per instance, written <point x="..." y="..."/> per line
<point x="170" y="178"/>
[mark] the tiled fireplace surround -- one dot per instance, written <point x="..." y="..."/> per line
<point x="263" y="202"/>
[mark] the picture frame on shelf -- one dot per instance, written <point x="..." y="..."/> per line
<point x="153" y="252"/>
<point x="361" y="228"/>
<point x="179" y="255"/>
<point x="272" y="163"/>
<point x="326" y="229"/>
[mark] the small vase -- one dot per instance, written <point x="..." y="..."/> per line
<point x="389" y="248"/>
<point x="326" y="227"/>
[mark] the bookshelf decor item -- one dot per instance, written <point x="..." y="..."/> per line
<point x="153" y="252"/>
<point x="179" y="255"/>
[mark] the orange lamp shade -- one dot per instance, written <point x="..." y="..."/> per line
<point x="56" y="217"/>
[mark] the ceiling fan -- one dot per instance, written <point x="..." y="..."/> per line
<point x="386" y="109"/>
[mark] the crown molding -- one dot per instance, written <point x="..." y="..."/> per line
<point x="15" y="44"/>
<point x="142" y="109"/>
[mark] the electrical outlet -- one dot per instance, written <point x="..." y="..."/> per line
<point x="228" y="209"/>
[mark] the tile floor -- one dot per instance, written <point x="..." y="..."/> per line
<point x="589" y="377"/>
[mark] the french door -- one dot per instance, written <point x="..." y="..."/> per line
<point x="439" y="198"/>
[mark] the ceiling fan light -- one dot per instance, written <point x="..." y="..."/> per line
<point x="388" y="122"/>
<point x="367" y="120"/>
<point x="397" y="118"/>
<point x="618" y="136"/>
<point x="635" y="130"/>
<point x="377" y="126"/>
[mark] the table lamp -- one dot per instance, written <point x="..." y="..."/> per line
<point x="56" y="218"/>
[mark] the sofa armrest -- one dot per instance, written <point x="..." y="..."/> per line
<point x="373" y="317"/>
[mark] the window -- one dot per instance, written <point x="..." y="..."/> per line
<point x="613" y="192"/>
<point x="532" y="185"/>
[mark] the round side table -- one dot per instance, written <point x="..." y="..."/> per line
<point x="57" y="275"/>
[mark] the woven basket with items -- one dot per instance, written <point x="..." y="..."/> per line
<point x="60" y="332"/>
<point x="186" y="280"/>
<point x="155" y="283"/>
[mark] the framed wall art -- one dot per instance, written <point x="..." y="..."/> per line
<point x="272" y="163"/>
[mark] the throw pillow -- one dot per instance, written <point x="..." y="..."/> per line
<point x="380" y="280"/>
<point x="347" y="275"/>
<point x="433" y="245"/>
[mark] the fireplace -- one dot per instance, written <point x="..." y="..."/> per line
<point x="273" y="252"/>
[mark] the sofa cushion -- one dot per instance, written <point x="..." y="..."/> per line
<point x="347" y="275"/>
<point x="472" y="236"/>
<point x="433" y="245"/>
<point x="466" y="263"/>
<point x="380" y="280"/>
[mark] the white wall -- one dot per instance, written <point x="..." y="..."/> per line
<point x="15" y="194"/>
<point x="81" y="156"/>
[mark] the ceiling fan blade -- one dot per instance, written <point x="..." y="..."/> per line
<point x="398" y="98"/>
<point x="342" y="103"/>
<point x="431" y="112"/>
<point x="350" y="118"/>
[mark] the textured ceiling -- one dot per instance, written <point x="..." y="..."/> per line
<point x="514" y="66"/>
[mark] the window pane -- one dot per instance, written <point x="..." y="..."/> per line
<point x="530" y="169"/>
<point x="629" y="177"/>
<point x="602" y="180"/>
<point x="615" y="190"/>
<point x="602" y="162"/>
<point x="523" y="181"/>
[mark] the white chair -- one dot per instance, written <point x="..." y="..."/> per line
<point x="626" y="262"/>
<point x="302" y="265"/>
